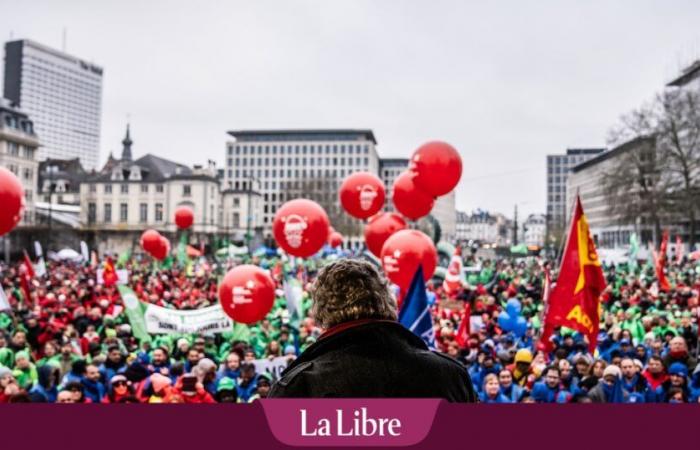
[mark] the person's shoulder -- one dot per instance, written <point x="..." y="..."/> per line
<point x="289" y="383"/>
<point x="448" y="361"/>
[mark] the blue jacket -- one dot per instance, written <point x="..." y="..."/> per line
<point x="514" y="392"/>
<point x="245" y="392"/>
<point x="43" y="391"/>
<point x="500" y="398"/>
<point x="108" y="371"/>
<point x="543" y="393"/>
<point x="94" y="390"/>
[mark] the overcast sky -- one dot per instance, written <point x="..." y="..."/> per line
<point x="505" y="82"/>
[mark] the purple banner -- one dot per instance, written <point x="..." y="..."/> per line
<point x="350" y="422"/>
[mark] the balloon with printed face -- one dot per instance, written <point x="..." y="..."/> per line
<point x="379" y="228"/>
<point x="300" y="227"/>
<point x="403" y="252"/>
<point x="408" y="199"/>
<point x="184" y="217"/>
<point x="437" y="167"/>
<point x="150" y="241"/>
<point x="362" y="194"/>
<point x="247" y="293"/>
<point x="11" y="199"/>
<point x="335" y="239"/>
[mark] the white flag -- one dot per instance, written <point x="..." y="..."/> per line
<point x="4" y="304"/>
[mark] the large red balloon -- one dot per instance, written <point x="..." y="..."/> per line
<point x="247" y="293"/>
<point x="403" y="252"/>
<point x="437" y="167"/>
<point x="362" y="194"/>
<point x="150" y="241"/>
<point x="162" y="249"/>
<point x="409" y="199"/>
<point x="300" y="227"/>
<point x="379" y="228"/>
<point x="11" y="199"/>
<point x="184" y="217"/>
<point x="335" y="239"/>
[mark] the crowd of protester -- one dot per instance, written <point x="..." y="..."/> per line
<point x="71" y="342"/>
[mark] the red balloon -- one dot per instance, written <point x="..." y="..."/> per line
<point x="184" y="217"/>
<point x="335" y="239"/>
<point x="247" y="293"/>
<point x="162" y="250"/>
<point x="150" y="241"/>
<point x="437" y="166"/>
<point x="362" y="194"/>
<point x="409" y="200"/>
<point x="379" y="228"/>
<point x="300" y="227"/>
<point x="403" y="252"/>
<point x="11" y="199"/>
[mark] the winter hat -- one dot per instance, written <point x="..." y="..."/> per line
<point x="159" y="381"/>
<point x="226" y="384"/>
<point x="117" y="378"/>
<point x="22" y="354"/>
<point x="678" y="368"/>
<point x="612" y="370"/>
<point x="4" y="371"/>
<point x="205" y="365"/>
<point x="290" y="350"/>
<point x="523" y="355"/>
<point x="265" y="378"/>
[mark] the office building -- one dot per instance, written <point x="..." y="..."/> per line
<point x="558" y="168"/>
<point x="63" y="96"/>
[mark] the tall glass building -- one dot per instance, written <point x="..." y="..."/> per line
<point x="63" y="96"/>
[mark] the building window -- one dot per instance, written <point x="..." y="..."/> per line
<point x="108" y="188"/>
<point x="93" y="188"/>
<point x="144" y="188"/>
<point x="27" y="174"/>
<point x="236" y="202"/>
<point x="108" y="213"/>
<point x="123" y="212"/>
<point x="236" y="220"/>
<point x="159" y="188"/>
<point x="92" y="212"/>
<point x="159" y="212"/>
<point x="124" y="188"/>
<point x="13" y="149"/>
<point x="143" y="212"/>
<point x="186" y="190"/>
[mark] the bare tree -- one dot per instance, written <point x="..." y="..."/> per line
<point x="324" y="191"/>
<point x="678" y="139"/>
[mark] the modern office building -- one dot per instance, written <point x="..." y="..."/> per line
<point x="18" y="147"/>
<point x="63" y="96"/>
<point x="288" y="164"/>
<point x="558" y="169"/>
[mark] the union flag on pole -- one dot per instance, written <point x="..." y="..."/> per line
<point x="575" y="298"/>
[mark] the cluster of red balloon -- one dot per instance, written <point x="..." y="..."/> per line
<point x="155" y="244"/>
<point x="435" y="170"/>
<point x="11" y="199"/>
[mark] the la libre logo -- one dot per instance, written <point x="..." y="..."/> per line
<point x="356" y="424"/>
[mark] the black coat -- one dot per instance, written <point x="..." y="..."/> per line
<point x="374" y="359"/>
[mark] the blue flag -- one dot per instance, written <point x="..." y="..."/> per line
<point x="415" y="311"/>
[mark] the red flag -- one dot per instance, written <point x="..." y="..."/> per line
<point x="660" y="264"/>
<point x="575" y="299"/>
<point x="109" y="275"/>
<point x="463" y="331"/>
<point x="27" y="275"/>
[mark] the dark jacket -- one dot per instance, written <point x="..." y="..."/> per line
<point x="377" y="358"/>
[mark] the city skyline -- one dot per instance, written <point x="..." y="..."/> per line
<point x="504" y="102"/>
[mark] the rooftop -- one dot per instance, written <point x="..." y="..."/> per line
<point x="687" y="75"/>
<point x="333" y="134"/>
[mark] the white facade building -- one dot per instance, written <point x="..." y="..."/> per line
<point x="534" y="229"/>
<point x="18" y="147"/>
<point x="63" y="96"/>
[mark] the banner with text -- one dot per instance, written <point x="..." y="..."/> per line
<point x="210" y="320"/>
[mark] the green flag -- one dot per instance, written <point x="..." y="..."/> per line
<point x="182" y="249"/>
<point x="135" y="313"/>
<point x="634" y="249"/>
